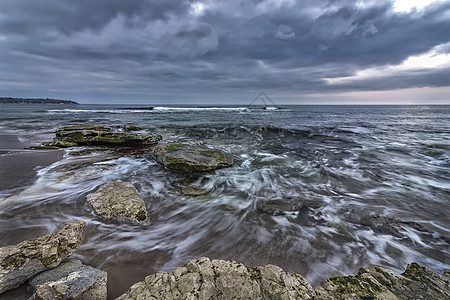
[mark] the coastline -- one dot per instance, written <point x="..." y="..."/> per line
<point x="291" y="230"/>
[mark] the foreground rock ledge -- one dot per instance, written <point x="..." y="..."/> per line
<point x="185" y="158"/>
<point x="218" y="279"/>
<point x="119" y="200"/>
<point x="28" y="258"/>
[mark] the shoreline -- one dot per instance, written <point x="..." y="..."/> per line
<point x="19" y="164"/>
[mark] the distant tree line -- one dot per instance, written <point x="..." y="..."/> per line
<point x="11" y="100"/>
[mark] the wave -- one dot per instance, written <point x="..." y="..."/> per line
<point x="167" y="108"/>
<point x="146" y="110"/>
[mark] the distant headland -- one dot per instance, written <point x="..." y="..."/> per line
<point x="11" y="100"/>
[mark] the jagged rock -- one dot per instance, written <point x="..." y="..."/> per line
<point x="91" y="135"/>
<point x="70" y="280"/>
<point x="185" y="158"/>
<point x="24" y="260"/>
<point x="218" y="279"/>
<point x="417" y="282"/>
<point x="119" y="200"/>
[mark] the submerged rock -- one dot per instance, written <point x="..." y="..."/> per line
<point x="91" y="135"/>
<point x="70" y="280"/>
<point x="185" y="158"/>
<point x="119" y="200"/>
<point x="193" y="191"/>
<point x="218" y="279"/>
<point x="276" y="207"/>
<point x="20" y="262"/>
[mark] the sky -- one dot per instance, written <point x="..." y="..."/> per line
<point x="226" y="52"/>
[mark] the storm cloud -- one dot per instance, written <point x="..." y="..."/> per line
<point x="187" y="51"/>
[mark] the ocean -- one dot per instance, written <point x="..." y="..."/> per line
<point x="316" y="190"/>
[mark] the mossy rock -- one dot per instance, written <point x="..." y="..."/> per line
<point x="58" y="144"/>
<point x="83" y="127"/>
<point x="92" y="135"/>
<point x="185" y="158"/>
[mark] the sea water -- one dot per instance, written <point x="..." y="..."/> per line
<point x="316" y="190"/>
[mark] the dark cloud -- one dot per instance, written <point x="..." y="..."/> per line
<point x="181" y="48"/>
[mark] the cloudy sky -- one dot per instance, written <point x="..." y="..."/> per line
<point x="225" y="52"/>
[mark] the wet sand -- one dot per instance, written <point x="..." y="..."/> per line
<point x="18" y="169"/>
<point x="19" y="165"/>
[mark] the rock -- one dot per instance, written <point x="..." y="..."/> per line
<point x="119" y="200"/>
<point x="193" y="191"/>
<point x="131" y="128"/>
<point x="70" y="280"/>
<point x="185" y="158"/>
<point x="218" y="279"/>
<point x="24" y="260"/>
<point x="276" y="207"/>
<point x="91" y="135"/>
<point x="417" y="282"/>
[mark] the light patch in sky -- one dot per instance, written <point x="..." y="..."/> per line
<point x="408" y="5"/>
<point x="198" y="8"/>
<point x="436" y="58"/>
<point x="409" y="96"/>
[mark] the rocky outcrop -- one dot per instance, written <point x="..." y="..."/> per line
<point x="119" y="200"/>
<point x="20" y="262"/>
<point x="70" y="280"/>
<point x="92" y="135"/>
<point x="218" y="279"/>
<point x="417" y="282"/>
<point x="185" y="158"/>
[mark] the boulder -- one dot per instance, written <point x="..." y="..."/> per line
<point x="218" y="279"/>
<point x="119" y="200"/>
<point x="70" y="280"/>
<point x="20" y="262"/>
<point x="186" y="158"/>
<point x="91" y="135"/>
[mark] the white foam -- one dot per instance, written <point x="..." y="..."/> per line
<point x="167" y="108"/>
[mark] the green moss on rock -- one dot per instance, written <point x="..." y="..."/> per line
<point x="184" y="158"/>
<point x="92" y="135"/>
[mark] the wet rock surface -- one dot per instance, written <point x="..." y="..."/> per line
<point x="186" y="158"/>
<point x="70" y="280"/>
<point x="92" y="135"/>
<point x="20" y="262"/>
<point x="119" y="200"/>
<point x="417" y="282"/>
<point x="218" y="279"/>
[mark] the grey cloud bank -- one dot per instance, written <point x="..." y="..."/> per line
<point x="222" y="52"/>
